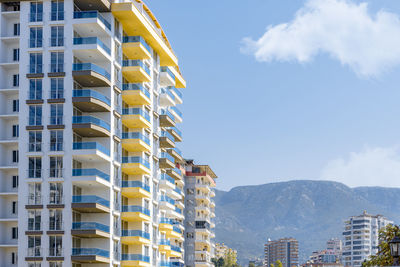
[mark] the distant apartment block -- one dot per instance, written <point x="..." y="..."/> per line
<point x="223" y="251"/>
<point x="332" y="253"/>
<point x="199" y="214"/>
<point x="361" y="237"/>
<point x="285" y="250"/>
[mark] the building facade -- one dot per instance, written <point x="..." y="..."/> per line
<point x="223" y="251"/>
<point x="286" y="250"/>
<point x="199" y="214"/>
<point x="88" y="168"/>
<point x="361" y="237"/>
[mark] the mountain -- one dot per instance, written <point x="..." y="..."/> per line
<point x="310" y="211"/>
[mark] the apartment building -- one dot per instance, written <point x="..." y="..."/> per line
<point x="199" y="214"/>
<point x="223" y="251"/>
<point x="361" y="237"/>
<point x="88" y="130"/>
<point x="286" y="250"/>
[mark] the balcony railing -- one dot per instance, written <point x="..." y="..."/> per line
<point x="91" y="145"/>
<point x="136" y="39"/>
<point x="90" y="172"/>
<point x="90" y="226"/>
<point x="91" y="67"/>
<point x="135" y="63"/>
<point x="136" y="209"/>
<point x="168" y="135"/>
<point x="136" y="111"/>
<point x="91" y="40"/>
<point x="176" y="91"/>
<point x="135" y="233"/>
<point x="90" y="252"/>
<point x="177" y="150"/>
<point x="164" y="242"/>
<point x="178" y="171"/>
<point x="168" y="92"/>
<point x="167" y="156"/>
<point x="166" y="112"/>
<point x="167" y="199"/>
<point x="131" y="184"/>
<point x="168" y="71"/>
<point x="136" y="135"/>
<point x="166" y="220"/>
<point x="91" y="199"/>
<point x="92" y="93"/>
<point x="92" y="14"/>
<point x="176" y="130"/>
<point x="136" y="160"/>
<point x="168" y="178"/>
<point x="177" y="249"/>
<point x="176" y="229"/>
<point x="135" y="86"/>
<point x="177" y="111"/>
<point x="179" y="191"/>
<point x="135" y="257"/>
<point x="90" y="119"/>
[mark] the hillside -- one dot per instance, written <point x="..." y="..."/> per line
<point x="311" y="211"/>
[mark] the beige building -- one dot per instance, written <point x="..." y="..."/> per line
<point x="222" y="251"/>
<point x="285" y="250"/>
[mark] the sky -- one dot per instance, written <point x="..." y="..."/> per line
<point x="280" y="90"/>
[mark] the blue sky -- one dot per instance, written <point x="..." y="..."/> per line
<point x="267" y="120"/>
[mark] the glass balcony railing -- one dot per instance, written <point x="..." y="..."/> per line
<point x="90" y="172"/>
<point x="179" y="191"/>
<point x="91" y="67"/>
<point x="176" y="131"/>
<point x="164" y="242"/>
<point x="165" y="264"/>
<point x="90" y="252"/>
<point x="168" y="71"/>
<point x="168" y="135"/>
<point x="176" y="229"/>
<point x="136" y="111"/>
<point x="166" y="112"/>
<point x="168" y="178"/>
<point x="166" y="220"/>
<point x="176" y="91"/>
<point x="167" y="199"/>
<point x="91" y="40"/>
<point x="135" y="86"/>
<point x="130" y="184"/>
<point x="167" y="156"/>
<point x="177" y="151"/>
<point x="92" y="93"/>
<point x="135" y="233"/>
<point x="168" y="92"/>
<point x="135" y="257"/>
<point x="136" y="209"/>
<point x="136" y="135"/>
<point x="91" y="199"/>
<point x="90" y="226"/>
<point x="136" y="63"/>
<point x="136" y="39"/>
<point x="177" y="111"/>
<point x="136" y="160"/>
<point x="90" y="119"/>
<point x="177" y="249"/>
<point x="92" y="14"/>
<point x="91" y="145"/>
<point x="178" y="171"/>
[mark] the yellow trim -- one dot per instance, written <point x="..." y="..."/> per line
<point x="179" y="80"/>
<point x="135" y="97"/>
<point x="135" y="263"/>
<point x="134" y="240"/>
<point x="135" y="50"/>
<point x="165" y="227"/>
<point x="135" y="192"/>
<point x="135" y="74"/>
<point x="134" y="216"/>
<point x="135" y="169"/>
<point x="135" y="145"/>
<point x="135" y="121"/>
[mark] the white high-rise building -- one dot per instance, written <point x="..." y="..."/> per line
<point x="361" y="237"/>
<point x="88" y="96"/>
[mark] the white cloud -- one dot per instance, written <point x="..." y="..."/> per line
<point x="368" y="44"/>
<point x="371" y="167"/>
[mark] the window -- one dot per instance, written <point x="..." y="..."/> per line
<point x="34" y="220"/>
<point x="56" y="193"/>
<point x="35" y="194"/>
<point x="57" y="36"/>
<point x="57" y="10"/>
<point x="16" y="54"/>
<point x="34" y="264"/>
<point x="35" y="115"/>
<point x="57" y="88"/>
<point x="15" y="105"/>
<point x="15" y="157"/>
<point x="35" y="167"/>
<point x="14" y="233"/>
<point x="56" y="167"/>
<point x="35" y="89"/>
<point x="15" y="130"/>
<point x="36" y="13"/>
<point x="56" y="264"/>
<point x="14" y="258"/>
<point x="35" y="63"/>
<point x="15" y="181"/>
<point x="16" y="80"/>
<point x="14" y="209"/>
<point x="34" y="249"/>
<point x="55" y="246"/>
<point x="16" y="29"/>
<point x="35" y="141"/>
<point x="56" y="114"/>
<point x="35" y="37"/>
<point x="57" y="62"/>
<point x="55" y="220"/>
<point x="56" y="140"/>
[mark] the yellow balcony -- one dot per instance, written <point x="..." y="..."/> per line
<point x="135" y="166"/>
<point x="135" y="189"/>
<point x="135" y="118"/>
<point x="135" y="260"/>
<point x="135" y="24"/>
<point x="135" y="47"/>
<point x="135" y="142"/>
<point x="179" y="80"/>
<point x="135" y="71"/>
<point x="135" y="94"/>
<point x="135" y="237"/>
<point x="164" y="246"/>
<point x="135" y="213"/>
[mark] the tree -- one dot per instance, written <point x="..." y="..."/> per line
<point x="383" y="257"/>
<point x="221" y="262"/>
<point x="271" y="265"/>
<point x="251" y="264"/>
<point x="278" y="263"/>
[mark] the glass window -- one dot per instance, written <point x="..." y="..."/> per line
<point x="36" y="13"/>
<point x="35" y="37"/>
<point x="35" y="63"/>
<point x="35" y="141"/>
<point x="35" y="167"/>
<point x="35" y="89"/>
<point x="34" y="220"/>
<point x="35" y="193"/>
<point x="56" y="114"/>
<point x="16" y="80"/>
<point x="15" y="181"/>
<point x="35" y="115"/>
<point x="55" y="220"/>
<point x="16" y="54"/>
<point x="56" y="140"/>
<point x="57" y="88"/>
<point x="57" y="36"/>
<point x="34" y="243"/>
<point x="55" y="246"/>
<point x="57" y="62"/>
<point x="56" y="167"/>
<point x="15" y="130"/>
<point x="15" y="105"/>
<point x="15" y="156"/>
<point x="57" y="10"/>
<point x="16" y="29"/>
